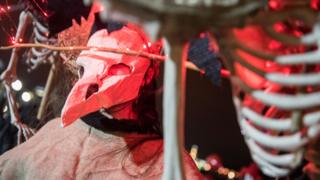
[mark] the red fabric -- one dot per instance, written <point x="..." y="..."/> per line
<point x="82" y="152"/>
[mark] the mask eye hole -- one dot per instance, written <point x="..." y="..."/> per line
<point x="93" y="88"/>
<point x="119" y="69"/>
<point x="80" y="71"/>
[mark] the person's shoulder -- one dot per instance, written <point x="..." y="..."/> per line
<point x="45" y="148"/>
<point x="153" y="148"/>
<point x="20" y="152"/>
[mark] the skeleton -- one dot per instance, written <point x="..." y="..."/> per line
<point x="276" y="95"/>
<point x="277" y="103"/>
<point x="39" y="56"/>
<point x="36" y="57"/>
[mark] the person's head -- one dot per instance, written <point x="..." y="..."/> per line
<point x="111" y="81"/>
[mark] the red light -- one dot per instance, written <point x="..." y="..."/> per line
<point x="315" y="4"/>
<point x="274" y="4"/>
<point x="8" y="7"/>
<point x="309" y="89"/>
<point x="101" y="8"/>
<point x="274" y="45"/>
<point x="12" y="40"/>
<point x="203" y="35"/>
<point x="225" y="73"/>
<point x="297" y="33"/>
<point x="279" y="27"/>
<point x="268" y="64"/>
<point x="97" y="7"/>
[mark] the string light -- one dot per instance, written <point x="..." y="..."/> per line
<point x="40" y="8"/>
<point x="26" y="96"/>
<point x="101" y="8"/>
<point x="39" y="91"/>
<point x="16" y="85"/>
<point x="213" y="163"/>
<point x="4" y="9"/>
<point x="5" y="109"/>
<point x="12" y="40"/>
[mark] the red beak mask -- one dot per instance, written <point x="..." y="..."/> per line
<point x="107" y="79"/>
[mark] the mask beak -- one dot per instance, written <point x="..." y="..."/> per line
<point x="79" y="104"/>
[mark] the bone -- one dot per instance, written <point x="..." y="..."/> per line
<point x="283" y="143"/>
<point x="290" y="160"/>
<point x="173" y="168"/>
<point x="40" y="37"/>
<point x="314" y="131"/>
<point x="261" y="131"/>
<point x="295" y="79"/>
<point x="24" y="132"/>
<point x="283" y="124"/>
<point x="288" y="102"/>
<point x="40" y="53"/>
<point x="41" y="27"/>
<point x="312" y="118"/>
<point x="268" y="123"/>
<point x="269" y="169"/>
<point x="313" y="37"/>
<point x="305" y="58"/>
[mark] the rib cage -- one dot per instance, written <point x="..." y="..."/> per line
<point x="276" y="84"/>
<point x="40" y="35"/>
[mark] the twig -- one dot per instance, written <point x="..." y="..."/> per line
<point x="91" y="48"/>
<point x="47" y="91"/>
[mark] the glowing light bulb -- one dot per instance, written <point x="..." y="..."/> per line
<point x="5" y="109"/>
<point x="39" y="91"/>
<point x="12" y="40"/>
<point x="101" y="8"/>
<point x="231" y="175"/>
<point x="26" y="96"/>
<point x="16" y="85"/>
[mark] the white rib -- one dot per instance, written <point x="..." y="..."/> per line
<point x="313" y="37"/>
<point x="314" y="131"/>
<point x="40" y="37"/>
<point x="311" y="118"/>
<point x="36" y="61"/>
<point x="269" y="169"/>
<point x="268" y="172"/>
<point x="41" y="28"/>
<point x="295" y="79"/>
<point x="265" y="122"/>
<point x="309" y="39"/>
<point x="284" y="143"/>
<point x="304" y="58"/>
<point x="288" y="160"/>
<point x="288" y="102"/>
<point x="40" y="53"/>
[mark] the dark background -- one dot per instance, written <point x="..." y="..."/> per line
<point x="210" y="116"/>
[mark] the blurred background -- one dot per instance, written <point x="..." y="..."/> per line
<point x="211" y="122"/>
